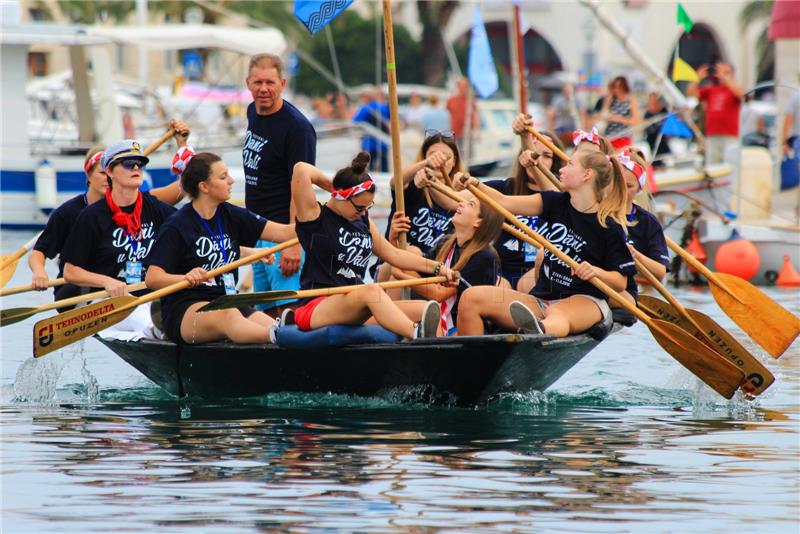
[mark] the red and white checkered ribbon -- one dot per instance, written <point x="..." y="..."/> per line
<point x="625" y="160"/>
<point x="181" y="159"/>
<point x="592" y="136"/>
<point x="92" y="161"/>
<point x="344" y="194"/>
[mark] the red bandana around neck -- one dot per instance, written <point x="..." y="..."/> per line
<point x="132" y="223"/>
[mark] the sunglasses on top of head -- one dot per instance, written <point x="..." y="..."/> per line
<point x="444" y="134"/>
<point x="130" y="164"/>
<point x="359" y="208"/>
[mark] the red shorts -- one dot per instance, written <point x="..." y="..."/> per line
<point x="302" y="315"/>
<point x="622" y="142"/>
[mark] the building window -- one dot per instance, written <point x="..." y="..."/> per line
<point x="38" y="14"/>
<point x="37" y="64"/>
<point x="120" y="57"/>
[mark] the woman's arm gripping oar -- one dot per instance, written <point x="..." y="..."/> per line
<point x="56" y="332"/>
<point x="29" y="287"/>
<point x="721" y="375"/>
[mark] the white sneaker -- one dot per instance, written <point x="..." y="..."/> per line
<point x="431" y="316"/>
<point x="525" y="319"/>
<point x="287" y="317"/>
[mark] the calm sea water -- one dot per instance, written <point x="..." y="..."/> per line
<point x="627" y="441"/>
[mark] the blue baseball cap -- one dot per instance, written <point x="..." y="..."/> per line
<point x="125" y="149"/>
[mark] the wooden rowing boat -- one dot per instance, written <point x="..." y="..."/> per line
<point x="454" y="370"/>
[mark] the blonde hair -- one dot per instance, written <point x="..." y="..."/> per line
<point x="609" y="186"/>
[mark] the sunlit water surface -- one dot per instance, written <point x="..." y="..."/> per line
<point x="626" y="441"/>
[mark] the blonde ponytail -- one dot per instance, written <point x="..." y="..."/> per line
<point x="608" y="187"/>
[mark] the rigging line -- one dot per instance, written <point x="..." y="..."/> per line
<point x="334" y="58"/>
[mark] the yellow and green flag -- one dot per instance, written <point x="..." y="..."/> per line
<point x="684" y="20"/>
<point x="682" y="71"/>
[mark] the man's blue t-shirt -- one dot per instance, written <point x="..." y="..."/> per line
<point x="376" y="114"/>
<point x="273" y="144"/>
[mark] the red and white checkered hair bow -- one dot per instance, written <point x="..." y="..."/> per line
<point x="181" y="159"/>
<point x="92" y="161"/>
<point x="625" y="160"/>
<point x="592" y="136"/>
<point x="344" y="194"/>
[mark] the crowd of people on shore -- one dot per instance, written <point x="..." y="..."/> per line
<point x="491" y="280"/>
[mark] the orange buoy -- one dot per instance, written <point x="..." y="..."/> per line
<point x="788" y="275"/>
<point x="695" y="248"/>
<point x="738" y="256"/>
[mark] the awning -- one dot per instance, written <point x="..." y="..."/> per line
<point x="785" y="20"/>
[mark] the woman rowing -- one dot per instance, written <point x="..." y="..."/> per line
<point x="587" y="223"/>
<point x="52" y="240"/>
<point x="468" y="250"/>
<point x="339" y="238"/>
<point x="205" y="234"/>
<point x="645" y="236"/>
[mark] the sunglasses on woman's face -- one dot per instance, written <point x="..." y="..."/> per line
<point x="130" y="164"/>
<point x="444" y="134"/>
<point x="359" y="208"/>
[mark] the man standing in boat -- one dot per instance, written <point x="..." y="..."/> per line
<point x="278" y="136"/>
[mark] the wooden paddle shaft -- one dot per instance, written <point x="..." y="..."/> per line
<point x="549" y="175"/>
<point x="63" y="303"/>
<point x="392" y="284"/>
<point x="656" y="283"/>
<point x="21" y="252"/>
<point x="546" y="142"/>
<point x="158" y="142"/>
<point x="28" y="287"/>
<point x="183" y="284"/>
<point x="694" y="262"/>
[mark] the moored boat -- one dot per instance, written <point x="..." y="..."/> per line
<point x="453" y="370"/>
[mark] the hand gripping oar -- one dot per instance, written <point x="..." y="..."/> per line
<point x="56" y="332"/>
<point x="15" y="315"/>
<point x="8" y="262"/>
<point x="768" y="323"/>
<point x="757" y="377"/>
<point x="549" y="144"/>
<point x="29" y="287"/>
<point x="250" y="299"/>
<point x="721" y="375"/>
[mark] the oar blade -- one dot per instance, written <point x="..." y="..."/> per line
<point x="55" y="332"/>
<point x="757" y="377"/>
<point x="7" y="272"/>
<point x="713" y="369"/>
<point x="246" y="299"/>
<point x="768" y="323"/>
<point x="15" y="315"/>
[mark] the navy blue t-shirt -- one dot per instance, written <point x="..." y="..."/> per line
<point x="337" y="250"/>
<point x="516" y="256"/>
<point x="273" y="144"/>
<point x="428" y="223"/>
<point x="646" y="236"/>
<point x="579" y="236"/>
<point x="482" y="268"/>
<point x="98" y="245"/>
<point x="55" y="234"/>
<point x="184" y="243"/>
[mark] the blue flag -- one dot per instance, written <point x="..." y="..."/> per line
<point x="316" y="14"/>
<point x="480" y="69"/>
<point x="675" y="127"/>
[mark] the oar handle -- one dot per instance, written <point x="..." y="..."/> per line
<point x="183" y="284"/>
<point x="549" y="144"/>
<point x="63" y="303"/>
<point x="694" y="262"/>
<point x="531" y="234"/>
<point x="28" y="287"/>
<point x="155" y="145"/>
<point x="549" y="175"/>
<point x="392" y="284"/>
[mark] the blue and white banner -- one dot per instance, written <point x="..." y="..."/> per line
<point x="316" y="14"/>
<point x="481" y="71"/>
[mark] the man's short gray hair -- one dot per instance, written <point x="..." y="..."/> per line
<point x="266" y="60"/>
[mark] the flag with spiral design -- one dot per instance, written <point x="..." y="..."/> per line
<point x="316" y="14"/>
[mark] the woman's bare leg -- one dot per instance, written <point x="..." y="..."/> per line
<point x="358" y="305"/>
<point x="571" y="316"/>
<point x="221" y="324"/>
<point x="490" y="303"/>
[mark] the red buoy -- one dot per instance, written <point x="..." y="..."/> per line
<point x="695" y="248"/>
<point x="788" y="276"/>
<point x="738" y="256"/>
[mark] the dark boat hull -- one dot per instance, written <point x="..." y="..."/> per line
<point x="457" y="370"/>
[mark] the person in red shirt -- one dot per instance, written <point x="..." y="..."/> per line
<point x="457" y="106"/>
<point x="720" y="97"/>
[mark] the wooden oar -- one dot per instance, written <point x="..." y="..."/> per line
<point x="8" y="262"/>
<point x="29" y="287"/>
<point x="250" y="299"/>
<point x="757" y="377"/>
<point x="768" y="323"/>
<point x="155" y="145"/>
<point x="549" y="144"/>
<point x="56" y="332"/>
<point x="721" y="375"/>
<point x="15" y="315"/>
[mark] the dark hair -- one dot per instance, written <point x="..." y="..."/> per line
<point x="355" y="174"/>
<point x="521" y="176"/>
<point x="624" y="81"/>
<point x="197" y="170"/>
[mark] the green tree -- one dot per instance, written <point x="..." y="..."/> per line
<point x="759" y="12"/>
<point x="434" y="17"/>
<point x="96" y="11"/>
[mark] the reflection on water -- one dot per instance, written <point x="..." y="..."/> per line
<point x="161" y="464"/>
